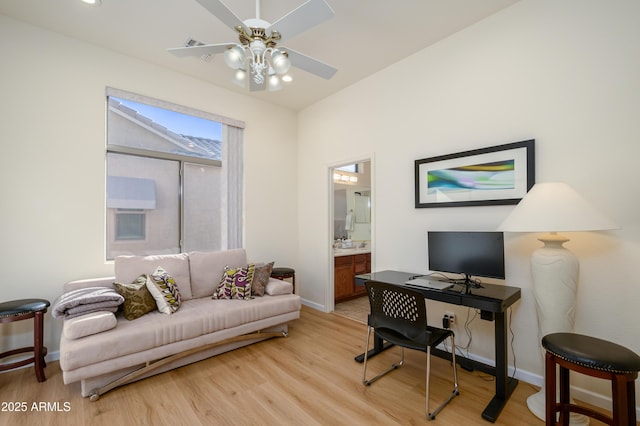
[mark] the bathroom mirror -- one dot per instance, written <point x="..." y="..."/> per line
<point x="352" y="202"/>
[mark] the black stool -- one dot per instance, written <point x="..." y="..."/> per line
<point x="596" y="358"/>
<point x="18" y="310"/>
<point x="282" y="273"/>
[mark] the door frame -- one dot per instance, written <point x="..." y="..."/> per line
<point x="330" y="294"/>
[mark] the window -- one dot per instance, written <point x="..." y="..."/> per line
<point x="353" y="168"/>
<point x="174" y="178"/>
<point x="130" y="224"/>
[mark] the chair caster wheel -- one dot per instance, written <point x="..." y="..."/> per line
<point x="94" y="396"/>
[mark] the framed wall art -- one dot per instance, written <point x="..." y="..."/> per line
<point x="497" y="175"/>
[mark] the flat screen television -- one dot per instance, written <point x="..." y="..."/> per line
<point x="472" y="254"/>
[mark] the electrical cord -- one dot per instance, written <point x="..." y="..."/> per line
<point x="467" y="329"/>
<point x="513" y="351"/>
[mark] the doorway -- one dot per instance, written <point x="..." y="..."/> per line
<point x="351" y="226"/>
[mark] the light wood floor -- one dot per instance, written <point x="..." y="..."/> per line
<point x="308" y="378"/>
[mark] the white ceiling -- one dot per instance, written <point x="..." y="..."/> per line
<point x="362" y="38"/>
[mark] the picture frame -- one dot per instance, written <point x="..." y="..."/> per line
<point x="497" y="175"/>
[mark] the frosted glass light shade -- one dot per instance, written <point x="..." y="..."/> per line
<point x="274" y="83"/>
<point x="234" y="57"/>
<point x="281" y="64"/>
<point x="239" y="77"/>
<point x="555" y="207"/>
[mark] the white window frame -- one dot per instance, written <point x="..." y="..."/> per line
<point x="232" y="163"/>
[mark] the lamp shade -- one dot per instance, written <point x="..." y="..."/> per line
<point x="281" y="63"/>
<point x="555" y="207"/>
<point x="234" y="57"/>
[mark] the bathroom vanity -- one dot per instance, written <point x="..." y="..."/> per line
<point x="347" y="264"/>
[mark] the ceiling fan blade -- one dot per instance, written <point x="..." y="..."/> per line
<point x="223" y="13"/>
<point x="309" y="64"/>
<point x="205" y="49"/>
<point x="302" y="18"/>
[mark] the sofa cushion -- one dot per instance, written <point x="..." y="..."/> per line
<point x="261" y="278"/>
<point x="164" y="290"/>
<point x="207" y="268"/>
<point x="128" y="268"/>
<point x="196" y="317"/>
<point x="137" y="299"/>
<point x="89" y="324"/>
<point x="235" y="283"/>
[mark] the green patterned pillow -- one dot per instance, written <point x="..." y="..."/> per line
<point x="165" y="291"/>
<point x="137" y="299"/>
<point x="261" y="278"/>
<point x="235" y="283"/>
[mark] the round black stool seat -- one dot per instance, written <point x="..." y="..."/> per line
<point x="18" y="310"/>
<point x="23" y="306"/>
<point x="592" y="352"/>
<point x="283" y="272"/>
<point x="596" y="358"/>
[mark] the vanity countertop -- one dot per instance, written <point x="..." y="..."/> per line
<point x="350" y="251"/>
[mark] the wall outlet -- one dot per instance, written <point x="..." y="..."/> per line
<point x="451" y="316"/>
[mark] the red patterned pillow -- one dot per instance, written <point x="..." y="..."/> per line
<point x="235" y="283"/>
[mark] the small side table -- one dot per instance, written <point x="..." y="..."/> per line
<point x="18" y="310"/>
<point x="283" y="273"/>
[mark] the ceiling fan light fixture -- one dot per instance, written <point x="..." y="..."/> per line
<point x="239" y="77"/>
<point x="234" y="57"/>
<point x="258" y="63"/>
<point x="274" y="83"/>
<point x="280" y="61"/>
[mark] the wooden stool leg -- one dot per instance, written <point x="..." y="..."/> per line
<point x="619" y="395"/>
<point x="550" y="389"/>
<point x="38" y="345"/>
<point x="631" y="402"/>
<point x="565" y="398"/>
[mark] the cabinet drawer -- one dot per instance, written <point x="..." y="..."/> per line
<point x="343" y="260"/>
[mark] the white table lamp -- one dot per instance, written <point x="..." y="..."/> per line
<point x="551" y="208"/>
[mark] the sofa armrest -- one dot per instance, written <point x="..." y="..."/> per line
<point x="91" y="282"/>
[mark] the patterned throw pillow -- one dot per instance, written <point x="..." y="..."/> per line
<point x="165" y="291"/>
<point x="137" y="299"/>
<point x="261" y="278"/>
<point x="235" y="283"/>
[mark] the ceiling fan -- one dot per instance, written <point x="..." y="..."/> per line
<point x="258" y="56"/>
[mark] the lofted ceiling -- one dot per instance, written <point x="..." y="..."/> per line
<point x="362" y="38"/>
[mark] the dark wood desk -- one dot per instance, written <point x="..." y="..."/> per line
<point x="492" y="300"/>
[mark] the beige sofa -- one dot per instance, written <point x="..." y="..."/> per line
<point x="117" y="351"/>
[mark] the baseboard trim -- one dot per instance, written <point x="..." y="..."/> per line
<point x="314" y="305"/>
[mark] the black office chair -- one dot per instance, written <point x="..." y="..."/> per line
<point x="399" y="316"/>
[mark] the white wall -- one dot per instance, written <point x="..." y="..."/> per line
<point x="52" y="166"/>
<point x="565" y="73"/>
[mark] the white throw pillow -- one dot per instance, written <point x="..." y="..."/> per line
<point x="164" y="289"/>
<point x="276" y="287"/>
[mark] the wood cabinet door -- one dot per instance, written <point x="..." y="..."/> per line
<point x="343" y="276"/>
<point x="360" y="266"/>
